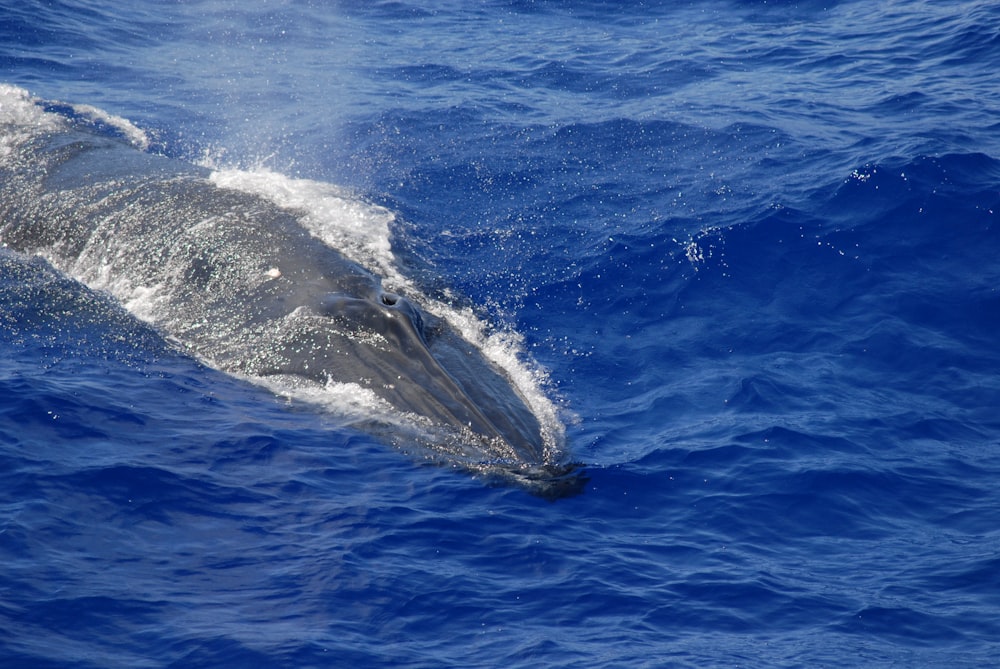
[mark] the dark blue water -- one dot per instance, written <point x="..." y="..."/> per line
<point x="754" y="245"/>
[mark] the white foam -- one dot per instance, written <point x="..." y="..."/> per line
<point x="22" y="119"/>
<point x="135" y="135"/>
<point x="505" y="349"/>
<point x="357" y="229"/>
<point x="353" y="403"/>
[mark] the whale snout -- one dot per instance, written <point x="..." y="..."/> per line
<point x="432" y="371"/>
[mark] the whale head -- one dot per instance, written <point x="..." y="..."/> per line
<point x="469" y="410"/>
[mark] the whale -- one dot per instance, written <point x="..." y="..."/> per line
<point x="238" y="281"/>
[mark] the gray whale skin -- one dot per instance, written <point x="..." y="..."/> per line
<point x="240" y="283"/>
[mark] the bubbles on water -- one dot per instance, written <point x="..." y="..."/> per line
<point x="695" y="254"/>
<point x="706" y="244"/>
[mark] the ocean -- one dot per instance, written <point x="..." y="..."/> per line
<point x="743" y="252"/>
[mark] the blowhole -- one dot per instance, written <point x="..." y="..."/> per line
<point x="389" y="299"/>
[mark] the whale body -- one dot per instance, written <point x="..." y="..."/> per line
<point x="242" y="284"/>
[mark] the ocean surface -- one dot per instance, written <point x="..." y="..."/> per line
<point x="749" y="251"/>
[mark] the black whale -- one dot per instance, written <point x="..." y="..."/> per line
<point x="243" y="285"/>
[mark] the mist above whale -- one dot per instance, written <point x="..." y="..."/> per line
<point x="241" y="283"/>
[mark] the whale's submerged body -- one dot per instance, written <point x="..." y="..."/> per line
<point x="242" y="284"/>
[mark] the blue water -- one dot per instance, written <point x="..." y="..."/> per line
<point x="754" y="244"/>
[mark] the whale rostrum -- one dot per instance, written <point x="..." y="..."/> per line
<point x="240" y="283"/>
